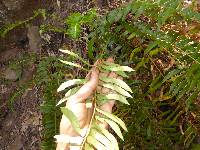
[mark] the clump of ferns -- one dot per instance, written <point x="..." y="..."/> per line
<point x="48" y="78"/>
<point x="98" y="137"/>
<point x="184" y="89"/>
<point x="139" y="32"/>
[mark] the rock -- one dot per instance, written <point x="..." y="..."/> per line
<point x="100" y="3"/>
<point x="198" y="139"/>
<point x="3" y="13"/>
<point x="10" y="54"/>
<point x="10" y="74"/>
<point x="27" y="75"/>
<point x="13" y="4"/>
<point x="16" y="144"/>
<point x="12" y="11"/>
<point x="34" y="39"/>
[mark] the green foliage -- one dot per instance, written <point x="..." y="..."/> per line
<point x="8" y="27"/>
<point x="48" y="77"/>
<point x="164" y="112"/>
<point x="17" y="65"/>
<point x="152" y="36"/>
<point x="73" y="23"/>
<point x="75" y="20"/>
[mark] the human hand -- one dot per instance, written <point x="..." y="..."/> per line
<point x="77" y="104"/>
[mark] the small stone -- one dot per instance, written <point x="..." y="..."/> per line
<point x="10" y="74"/>
<point x="16" y="144"/>
<point x="13" y="4"/>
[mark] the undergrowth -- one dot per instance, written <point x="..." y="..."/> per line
<point x="159" y="39"/>
<point x="48" y="78"/>
<point x="18" y="65"/>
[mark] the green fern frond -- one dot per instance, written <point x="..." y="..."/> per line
<point x="76" y="20"/>
<point x="97" y="137"/>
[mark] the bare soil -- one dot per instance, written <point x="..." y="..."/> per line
<point x="20" y="116"/>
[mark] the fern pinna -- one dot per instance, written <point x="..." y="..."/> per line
<point x="96" y="136"/>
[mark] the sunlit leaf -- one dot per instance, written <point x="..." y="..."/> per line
<point x="118" y="82"/>
<point x="72" y="118"/>
<point x="113" y="125"/>
<point x="108" y="135"/>
<point x="101" y="138"/>
<point x="89" y="16"/>
<point x="73" y="64"/>
<point x="117" y="89"/>
<point x="62" y="101"/>
<point x="70" y="83"/>
<point x="117" y="68"/>
<point x="91" y="140"/>
<point x="68" y="94"/>
<point x="114" y="118"/>
<point x="72" y="91"/>
<point x="121" y="73"/>
<point x="118" y="97"/>
<point x="88" y="147"/>
<point x="74" y="25"/>
<point x="63" y="138"/>
<point x="74" y="55"/>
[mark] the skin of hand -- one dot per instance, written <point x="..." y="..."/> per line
<point x="77" y="104"/>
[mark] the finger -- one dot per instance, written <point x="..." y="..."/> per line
<point x="99" y="88"/>
<point x="110" y="59"/>
<point x="87" y="89"/>
<point x="94" y="66"/>
<point x="120" y="77"/>
<point x="112" y="75"/>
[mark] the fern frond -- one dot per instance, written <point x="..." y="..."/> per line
<point x="76" y="20"/>
<point x="96" y="136"/>
<point x="74" y="55"/>
<point x="73" y="64"/>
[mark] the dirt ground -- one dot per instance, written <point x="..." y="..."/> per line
<point x="20" y="115"/>
<point x="20" y="129"/>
